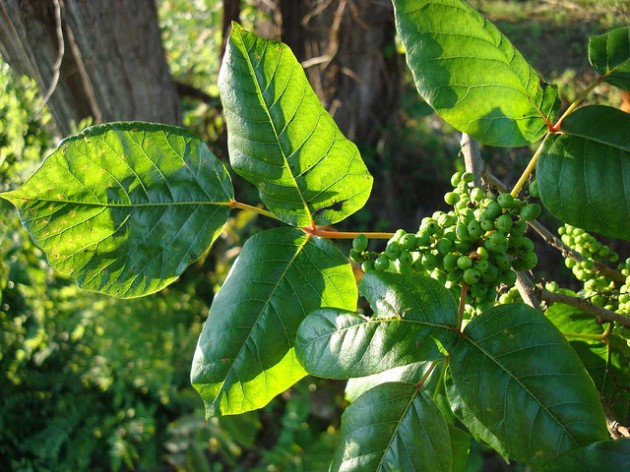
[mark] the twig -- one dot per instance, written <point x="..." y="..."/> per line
<point x="617" y="430"/>
<point x="603" y="315"/>
<point x="60" y="53"/>
<point x="527" y="290"/>
<point x="472" y="158"/>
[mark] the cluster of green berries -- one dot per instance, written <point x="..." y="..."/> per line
<point x="597" y="288"/>
<point x="481" y="242"/>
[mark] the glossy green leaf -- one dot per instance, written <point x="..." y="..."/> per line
<point x="584" y="172"/>
<point x="245" y="355"/>
<point x="124" y="208"/>
<point x="410" y="310"/>
<point x="472" y="75"/>
<point x="282" y="139"/>
<point x="517" y="373"/>
<point x="393" y="427"/>
<point x="604" y="456"/>
<point x="475" y="427"/>
<point x="609" y="54"/>
<point x="409" y="374"/>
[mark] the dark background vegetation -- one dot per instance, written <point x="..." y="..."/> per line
<point x="88" y="382"/>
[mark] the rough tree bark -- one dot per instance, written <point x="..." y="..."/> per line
<point x="348" y="50"/>
<point x="113" y="67"/>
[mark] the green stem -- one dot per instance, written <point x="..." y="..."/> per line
<point x="345" y="234"/>
<point x="424" y="378"/>
<point x="596" y="337"/>
<point x="578" y="100"/>
<point x="255" y="209"/>
<point x="440" y="383"/>
<point x="529" y="169"/>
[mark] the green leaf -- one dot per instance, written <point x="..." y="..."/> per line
<point x="516" y="373"/>
<point x="609" y="54"/>
<point x="409" y="374"/>
<point x="606" y="362"/>
<point x="393" y="427"/>
<point x="460" y="444"/>
<point x="282" y="139"/>
<point x="124" y="208"/>
<point x="411" y="310"/>
<point x="245" y="354"/>
<point x="472" y="75"/>
<point x="602" y="456"/>
<point x="584" y="172"/>
<point x="475" y="427"/>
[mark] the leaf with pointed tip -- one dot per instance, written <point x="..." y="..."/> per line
<point x="584" y="172"/>
<point x="124" y="208"/>
<point x="393" y="427"/>
<point x="472" y="75"/>
<point x="604" y="456"/>
<point x="609" y="54"/>
<point x="245" y="354"/>
<point x="411" y="310"/>
<point x="516" y="372"/>
<point x="282" y="139"/>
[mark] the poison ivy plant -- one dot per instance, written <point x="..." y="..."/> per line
<point x="439" y="347"/>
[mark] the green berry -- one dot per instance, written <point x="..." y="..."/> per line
<point x="502" y="262"/>
<point x="475" y="230"/>
<point x="482" y="252"/>
<point x="405" y="258"/>
<point x="476" y="194"/>
<point x="533" y="189"/>
<point x="530" y="211"/>
<point x="451" y="198"/>
<point x="392" y="250"/>
<point x="461" y="230"/>
<point x="491" y="276"/>
<point x="496" y="243"/>
<point x="503" y="223"/>
<point x="444" y="246"/>
<point x="464" y="262"/>
<point x="468" y="177"/>
<point x="360" y="243"/>
<point x="381" y="263"/>
<point x="505" y="200"/>
<point x="456" y="179"/>
<point x="493" y="210"/>
<point x="487" y="224"/>
<point x="471" y="276"/>
<point x="481" y="265"/>
<point x="509" y="277"/>
<point x="429" y="261"/>
<point x="408" y="241"/>
<point x="367" y="266"/>
<point x="449" y="261"/>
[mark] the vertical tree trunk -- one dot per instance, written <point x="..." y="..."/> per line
<point x="113" y="67"/>
<point x="348" y="50"/>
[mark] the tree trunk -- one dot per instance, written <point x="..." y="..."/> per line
<point x="348" y="50"/>
<point x="113" y="67"/>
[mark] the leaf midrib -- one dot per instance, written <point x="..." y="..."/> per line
<point x="263" y="103"/>
<point x="221" y="391"/>
<point x="542" y="405"/>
